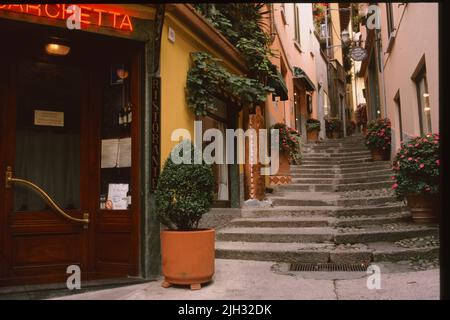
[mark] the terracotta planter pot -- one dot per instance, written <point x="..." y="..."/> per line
<point x="335" y="134"/>
<point x="187" y="257"/>
<point x="424" y="207"/>
<point x="284" y="167"/>
<point x="379" y="154"/>
<point x="313" y="135"/>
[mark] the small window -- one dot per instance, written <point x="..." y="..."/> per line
<point x="297" y="24"/>
<point x="423" y="98"/>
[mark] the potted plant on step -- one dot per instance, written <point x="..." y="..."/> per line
<point x="184" y="193"/>
<point x="333" y="127"/>
<point x="289" y="147"/>
<point x="351" y="128"/>
<point x="416" y="168"/>
<point x="378" y="138"/>
<point x="312" y="129"/>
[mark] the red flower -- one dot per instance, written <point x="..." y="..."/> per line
<point x="395" y="186"/>
<point x="410" y="159"/>
<point x="421" y="166"/>
<point x="438" y="162"/>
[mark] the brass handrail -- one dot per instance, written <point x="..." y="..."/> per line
<point x="45" y="196"/>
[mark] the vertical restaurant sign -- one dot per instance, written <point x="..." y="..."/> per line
<point x="91" y="15"/>
<point x="156" y="132"/>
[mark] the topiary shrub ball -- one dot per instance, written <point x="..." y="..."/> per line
<point x="184" y="191"/>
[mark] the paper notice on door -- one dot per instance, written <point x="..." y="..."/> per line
<point x="116" y="153"/>
<point x="48" y="118"/>
<point x="117" y="196"/>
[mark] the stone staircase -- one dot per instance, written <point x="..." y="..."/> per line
<point x="339" y="208"/>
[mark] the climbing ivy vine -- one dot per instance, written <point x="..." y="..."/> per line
<point x="207" y="79"/>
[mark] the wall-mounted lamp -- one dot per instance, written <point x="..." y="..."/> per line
<point x="56" y="49"/>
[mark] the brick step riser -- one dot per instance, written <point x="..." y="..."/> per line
<point x="333" y="151"/>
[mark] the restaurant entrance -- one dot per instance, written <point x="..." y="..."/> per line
<point x="69" y="156"/>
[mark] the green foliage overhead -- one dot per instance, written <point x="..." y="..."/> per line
<point x="184" y="192"/>
<point x="417" y="166"/>
<point x="207" y="79"/>
<point x="242" y="24"/>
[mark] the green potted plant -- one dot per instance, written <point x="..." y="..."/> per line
<point x="333" y="127"/>
<point x="184" y="193"/>
<point x="289" y="147"/>
<point x="351" y="127"/>
<point x="312" y="129"/>
<point x="378" y="138"/>
<point x="416" y="167"/>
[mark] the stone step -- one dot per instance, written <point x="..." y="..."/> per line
<point x="388" y="251"/>
<point x="273" y="251"/>
<point x="343" y="166"/>
<point x="357" y="221"/>
<point x="362" y="174"/>
<point x="324" y="234"/>
<point x="333" y="150"/>
<point x="307" y="199"/>
<point x="280" y="222"/>
<point x="332" y="161"/>
<point x="336" y="187"/>
<point x="377" y="233"/>
<point x="345" y="156"/>
<point x="337" y="171"/>
<point x="354" y="213"/>
<point x="321" y="253"/>
<point x="347" y="180"/>
<point x="257" y="234"/>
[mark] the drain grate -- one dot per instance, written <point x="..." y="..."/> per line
<point x="324" y="267"/>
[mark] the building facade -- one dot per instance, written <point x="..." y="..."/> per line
<point x="401" y="72"/>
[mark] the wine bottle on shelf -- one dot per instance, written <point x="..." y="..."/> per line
<point x="121" y="116"/>
<point x="129" y="113"/>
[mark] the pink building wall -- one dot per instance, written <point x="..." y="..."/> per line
<point x="416" y="39"/>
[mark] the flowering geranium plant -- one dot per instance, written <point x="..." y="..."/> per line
<point x="333" y="124"/>
<point x="289" y="140"/>
<point x="416" y="166"/>
<point x="379" y="134"/>
<point x="312" y="124"/>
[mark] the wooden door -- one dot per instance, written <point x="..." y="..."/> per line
<point x="54" y="114"/>
<point x="45" y="143"/>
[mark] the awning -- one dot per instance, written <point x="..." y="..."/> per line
<point x="301" y="75"/>
<point x="279" y="85"/>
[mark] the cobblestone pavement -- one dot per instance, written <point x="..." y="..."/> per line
<point x="257" y="280"/>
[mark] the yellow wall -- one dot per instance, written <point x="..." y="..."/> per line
<point x="336" y="32"/>
<point x="175" y="63"/>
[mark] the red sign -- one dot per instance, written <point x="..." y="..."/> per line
<point x="90" y="14"/>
